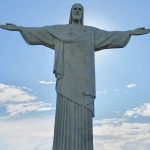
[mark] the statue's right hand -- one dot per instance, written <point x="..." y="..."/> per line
<point x="8" y="26"/>
<point x="140" y="31"/>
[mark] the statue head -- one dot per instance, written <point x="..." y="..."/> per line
<point x="76" y="14"/>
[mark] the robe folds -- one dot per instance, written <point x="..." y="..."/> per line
<point x="74" y="69"/>
<point x="74" y="65"/>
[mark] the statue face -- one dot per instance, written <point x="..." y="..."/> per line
<point x="77" y="12"/>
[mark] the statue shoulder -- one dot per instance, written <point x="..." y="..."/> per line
<point x="59" y="26"/>
<point x="93" y="29"/>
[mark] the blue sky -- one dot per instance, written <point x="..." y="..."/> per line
<point x="27" y="85"/>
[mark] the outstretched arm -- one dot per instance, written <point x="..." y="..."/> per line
<point x="139" y="31"/>
<point x="10" y="27"/>
<point x="32" y="35"/>
<point x="115" y="39"/>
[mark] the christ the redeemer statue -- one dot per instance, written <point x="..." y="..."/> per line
<point x="74" y="68"/>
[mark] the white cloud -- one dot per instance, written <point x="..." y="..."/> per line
<point x="143" y="110"/>
<point x="110" y="135"/>
<point x="119" y="134"/>
<point x="132" y="85"/>
<point x="37" y="133"/>
<point x="9" y="93"/>
<point x="17" y="101"/>
<point x="27" y="134"/>
<point x="47" y="82"/>
<point x="111" y="121"/>
<point x="22" y="108"/>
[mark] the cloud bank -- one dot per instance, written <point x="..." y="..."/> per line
<point x="109" y="134"/>
<point x="9" y="93"/>
<point x="26" y="134"/>
<point x="17" y="101"/>
<point x="143" y="110"/>
<point x="37" y="134"/>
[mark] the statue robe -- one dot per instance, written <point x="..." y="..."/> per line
<point x="74" y="68"/>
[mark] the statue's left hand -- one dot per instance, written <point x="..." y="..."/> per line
<point x="11" y="27"/>
<point x="140" y="31"/>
